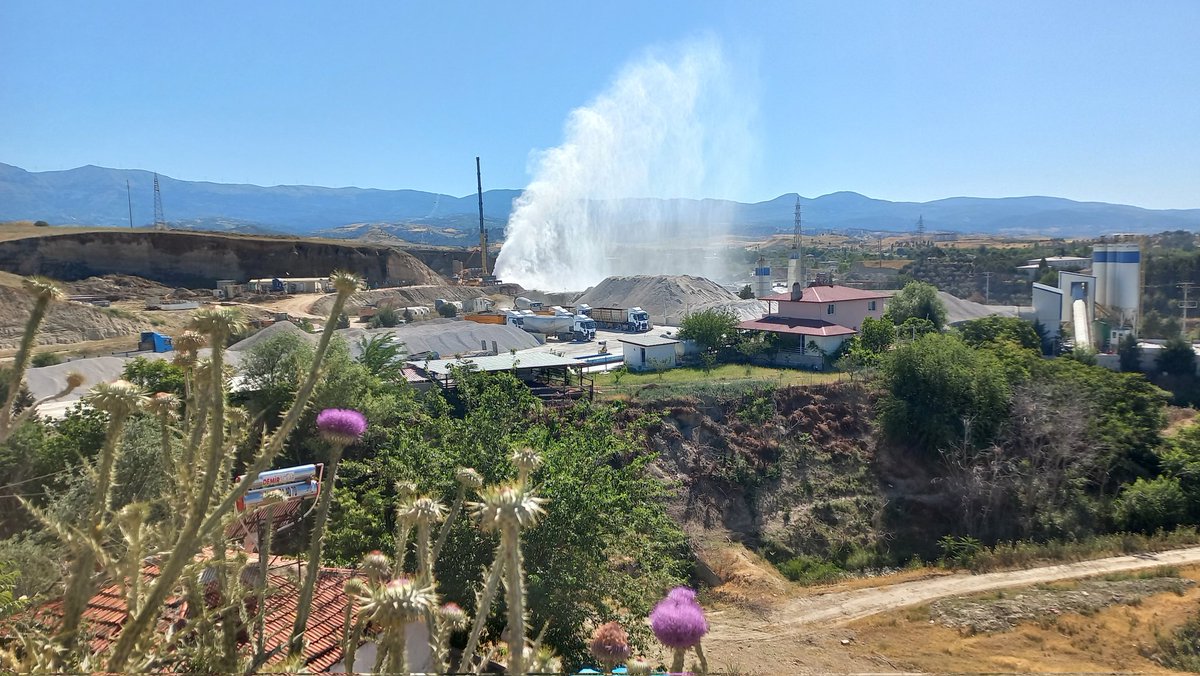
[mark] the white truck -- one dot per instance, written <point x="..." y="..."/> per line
<point x="633" y="319"/>
<point x="524" y="303"/>
<point x="563" y="326"/>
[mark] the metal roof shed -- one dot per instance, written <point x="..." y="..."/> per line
<point x="549" y="376"/>
<point x="651" y="352"/>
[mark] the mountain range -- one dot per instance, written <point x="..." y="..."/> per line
<point x="94" y="195"/>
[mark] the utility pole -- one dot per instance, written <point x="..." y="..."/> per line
<point x="1185" y="305"/>
<point x="483" y="238"/>
<point x="129" y="199"/>
<point x="987" y="288"/>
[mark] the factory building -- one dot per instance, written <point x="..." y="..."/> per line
<point x="1102" y="305"/>
<point x="290" y="285"/>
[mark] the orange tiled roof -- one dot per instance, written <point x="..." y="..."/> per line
<point x="106" y="614"/>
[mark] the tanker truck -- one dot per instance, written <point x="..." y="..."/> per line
<point x="634" y="319"/>
<point x="564" y="326"/>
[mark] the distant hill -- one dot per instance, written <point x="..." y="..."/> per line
<point x="96" y="196"/>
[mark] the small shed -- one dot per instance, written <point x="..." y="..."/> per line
<point x="152" y="341"/>
<point x="646" y="353"/>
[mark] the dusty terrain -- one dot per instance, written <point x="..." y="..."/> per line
<point x="805" y="633"/>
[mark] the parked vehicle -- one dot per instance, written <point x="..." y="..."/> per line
<point x="634" y="319"/>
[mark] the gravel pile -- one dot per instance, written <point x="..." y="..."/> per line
<point x="669" y="297"/>
<point x="278" y="328"/>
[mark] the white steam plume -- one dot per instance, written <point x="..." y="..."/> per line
<point x="674" y="124"/>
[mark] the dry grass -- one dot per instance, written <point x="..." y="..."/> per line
<point x="1116" y="638"/>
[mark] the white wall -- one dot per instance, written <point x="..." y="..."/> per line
<point x="638" y="358"/>
<point x="848" y="313"/>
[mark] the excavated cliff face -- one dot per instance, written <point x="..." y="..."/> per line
<point x="790" y="470"/>
<point x="200" y="259"/>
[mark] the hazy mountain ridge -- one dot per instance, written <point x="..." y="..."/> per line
<point x="96" y="196"/>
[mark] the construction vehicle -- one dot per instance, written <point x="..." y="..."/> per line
<point x="523" y="303"/>
<point x="634" y="319"/>
<point x="487" y="318"/>
<point x="564" y="326"/>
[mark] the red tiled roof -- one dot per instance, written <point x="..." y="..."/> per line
<point x="106" y="614"/>
<point x="828" y="294"/>
<point x="803" y="327"/>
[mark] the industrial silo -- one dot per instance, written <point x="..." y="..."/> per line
<point x="762" y="278"/>
<point x="1117" y="267"/>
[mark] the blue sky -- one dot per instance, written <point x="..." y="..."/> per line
<point x="896" y="100"/>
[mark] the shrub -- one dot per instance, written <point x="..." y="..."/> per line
<point x="45" y="359"/>
<point x="1152" y="505"/>
<point x="1177" y="357"/>
<point x="808" y="570"/>
<point x="448" y="310"/>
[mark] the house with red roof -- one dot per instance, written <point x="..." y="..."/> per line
<point x="106" y="614"/>
<point x="811" y="322"/>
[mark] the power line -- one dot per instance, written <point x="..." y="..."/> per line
<point x="1185" y="305"/>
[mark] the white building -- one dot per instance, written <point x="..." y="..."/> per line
<point x="823" y="315"/>
<point x="651" y="353"/>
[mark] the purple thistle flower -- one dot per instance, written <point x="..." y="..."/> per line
<point x="341" y="425"/>
<point x="678" y="621"/>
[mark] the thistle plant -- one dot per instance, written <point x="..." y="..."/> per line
<point x="678" y="622"/>
<point x="119" y="400"/>
<point x="44" y="292"/>
<point x="610" y="645"/>
<point x="508" y="509"/>
<point x="340" y="428"/>
<point x="205" y="516"/>
<point x="392" y="607"/>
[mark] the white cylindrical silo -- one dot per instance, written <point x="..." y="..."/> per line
<point x="794" y="270"/>
<point x="1125" y="275"/>
<point x="1100" y="271"/>
<point x="762" y="279"/>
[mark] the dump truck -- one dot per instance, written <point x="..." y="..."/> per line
<point x="634" y="319"/>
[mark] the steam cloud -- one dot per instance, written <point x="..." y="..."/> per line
<point x="674" y="124"/>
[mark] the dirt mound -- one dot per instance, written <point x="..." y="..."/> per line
<point x="276" y="329"/>
<point x="668" y="298"/>
<point x="117" y="287"/>
<point x="66" y="322"/>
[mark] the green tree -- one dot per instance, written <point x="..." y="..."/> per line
<point x="1177" y="357"/>
<point x="920" y="300"/>
<point x="385" y="317"/>
<point x="711" y="329"/>
<point x="154" y="375"/>
<point x="877" y="335"/>
<point x="1151" y="505"/>
<point x="1130" y="354"/>
<point x="271" y="371"/>
<point x="383" y="356"/>
<point x="746" y="292"/>
<point x="976" y="332"/>
<point x="937" y="390"/>
<point x="448" y="310"/>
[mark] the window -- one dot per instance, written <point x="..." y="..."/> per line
<point x="871" y="306"/>
<point x="829" y="309"/>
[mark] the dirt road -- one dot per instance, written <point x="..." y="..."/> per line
<point x="837" y="608"/>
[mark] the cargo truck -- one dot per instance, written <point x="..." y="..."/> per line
<point x="634" y="319"/>
<point x="564" y="327"/>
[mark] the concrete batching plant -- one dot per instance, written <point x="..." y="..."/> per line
<point x="1117" y="266"/>
<point x="1102" y="307"/>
